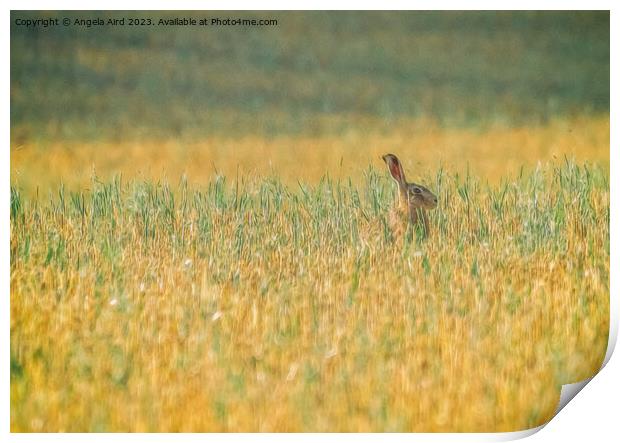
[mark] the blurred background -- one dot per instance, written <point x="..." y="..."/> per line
<point x="433" y="86"/>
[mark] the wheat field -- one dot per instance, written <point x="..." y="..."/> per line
<point x="252" y="303"/>
<point x="199" y="236"/>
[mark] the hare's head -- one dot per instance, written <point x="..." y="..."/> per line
<point x="415" y="196"/>
<point x="420" y="197"/>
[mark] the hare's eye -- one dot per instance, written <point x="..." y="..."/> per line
<point x="417" y="190"/>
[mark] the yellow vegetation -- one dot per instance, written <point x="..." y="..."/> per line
<point x="422" y="145"/>
<point x="261" y="304"/>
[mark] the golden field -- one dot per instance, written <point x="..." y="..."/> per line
<point x="199" y="235"/>
<point x="270" y="301"/>
<point x="494" y="153"/>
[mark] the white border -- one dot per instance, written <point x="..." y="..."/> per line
<point x="594" y="407"/>
<point x="310" y="5"/>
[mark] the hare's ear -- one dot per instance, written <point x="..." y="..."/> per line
<point x="396" y="169"/>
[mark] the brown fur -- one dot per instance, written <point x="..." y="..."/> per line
<point x="413" y="200"/>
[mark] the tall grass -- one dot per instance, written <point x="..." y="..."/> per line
<point x="248" y="304"/>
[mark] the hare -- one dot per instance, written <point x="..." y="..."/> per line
<point x="413" y="200"/>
